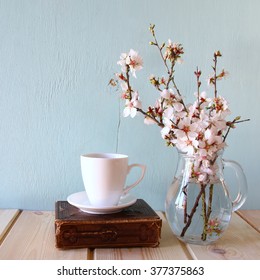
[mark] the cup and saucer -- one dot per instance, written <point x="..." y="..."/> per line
<point x="104" y="176"/>
<point x="81" y="201"/>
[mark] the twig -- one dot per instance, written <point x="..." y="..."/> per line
<point x="231" y="125"/>
<point x="204" y="214"/>
<point x="215" y="74"/>
<point x="210" y="201"/>
<point x="150" y="116"/>
<point x="155" y="43"/>
<point x="128" y="82"/>
<point x="185" y="204"/>
<point x="193" y="211"/>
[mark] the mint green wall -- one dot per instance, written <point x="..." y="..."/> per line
<point x="56" y="58"/>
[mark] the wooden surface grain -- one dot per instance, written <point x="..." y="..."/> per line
<point x="7" y="218"/>
<point x="252" y="217"/>
<point x="31" y="235"/>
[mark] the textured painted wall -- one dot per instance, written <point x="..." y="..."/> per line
<point x="56" y="58"/>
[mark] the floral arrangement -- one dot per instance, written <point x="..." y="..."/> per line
<point x="199" y="129"/>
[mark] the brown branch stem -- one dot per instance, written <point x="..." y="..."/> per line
<point x="230" y="126"/>
<point x="128" y="82"/>
<point x="210" y="201"/>
<point x="193" y="211"/>
<point x="185" y="204"/>
<point x="161" y="54"/>
<point x="150" y="116"/>
<point x="204" y="215"/>
<point x="215" y="75"/>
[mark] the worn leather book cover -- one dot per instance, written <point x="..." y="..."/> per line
<point x="135" y="226"/>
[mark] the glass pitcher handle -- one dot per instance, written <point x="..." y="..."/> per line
<point x="241" y="183"/>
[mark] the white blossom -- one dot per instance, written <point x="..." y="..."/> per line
<point x="132" y="105"/>
<point x="131" y="60"/>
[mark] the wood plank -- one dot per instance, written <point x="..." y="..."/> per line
<point x="170" y="248"/>
<point x="252" y="217"/>
<point x="7" y="218"/>
<point x="33" y="237"/>
<point x="240" y="241"/>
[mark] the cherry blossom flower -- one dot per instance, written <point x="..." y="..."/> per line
<point x="122" y="62"/>
<point x="165" y="131"/>
<point x="132" y="105"/>
<point x="186" y="144"/>
<point x="166" y="93"/>
<point x="220" y="104"/>
<point x="178" y="107"/>
<point x="202" y="99"/>
<point x="132" y="61"/>
<point x="168" y="113"/>
<point x="186" y="128"/>
<point x="173" y="52"/>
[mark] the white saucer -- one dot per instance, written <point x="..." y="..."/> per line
<point x="80" y="200"/>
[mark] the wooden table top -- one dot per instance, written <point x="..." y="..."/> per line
<point x="30" y="235"/>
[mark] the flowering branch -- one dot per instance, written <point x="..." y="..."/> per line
<point x="199" y="130"/>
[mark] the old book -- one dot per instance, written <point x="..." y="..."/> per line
<point x="136" y="226"/>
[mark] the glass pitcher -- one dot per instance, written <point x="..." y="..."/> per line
<point x="198" y="204"/>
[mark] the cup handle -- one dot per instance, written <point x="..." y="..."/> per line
<point x="143" y="168"/>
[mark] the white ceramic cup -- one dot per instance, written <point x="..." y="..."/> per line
<point x="104" y="176"/>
